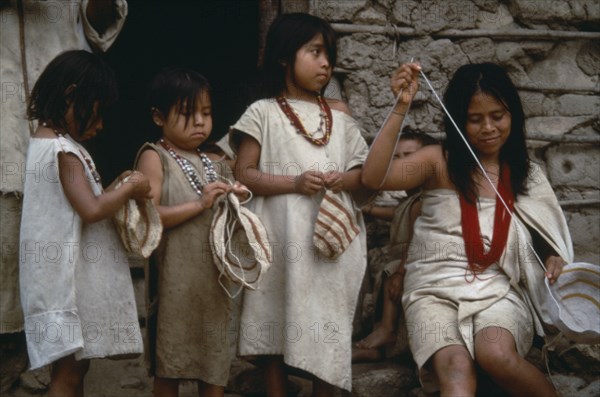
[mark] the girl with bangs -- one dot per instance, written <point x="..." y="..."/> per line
<point x="189" y="324"/>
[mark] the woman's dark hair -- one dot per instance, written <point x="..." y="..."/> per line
<point x="287" y="34"/>
<point x="176" y="86"/>
<point x="490" y="79"/>
<point x="78" y="78"/>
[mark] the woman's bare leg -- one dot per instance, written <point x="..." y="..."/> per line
<point x="455" y="370"/>
<point x="496" y="354"/>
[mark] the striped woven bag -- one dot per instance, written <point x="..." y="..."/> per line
<point x="335" y="227"/>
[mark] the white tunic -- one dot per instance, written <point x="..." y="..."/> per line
<point x="50" y="27"/>
<point x="305" y="305"/>
<point x="76" y="288"/>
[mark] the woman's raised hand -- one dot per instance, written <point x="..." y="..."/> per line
<point x="405" y="79"/>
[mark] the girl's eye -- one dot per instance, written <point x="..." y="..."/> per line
<point x="498" y="116"/>
<point x="474" y="119"/>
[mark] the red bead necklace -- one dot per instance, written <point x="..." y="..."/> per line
<point x="478" y="260"/>
<point x="324" y="114"/>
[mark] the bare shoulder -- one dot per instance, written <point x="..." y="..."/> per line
<point x="149" y="160"/>
<point x="338" y="105"/>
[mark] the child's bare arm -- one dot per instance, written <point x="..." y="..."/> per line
<point x="263" y="184"/>
<point x="92" y="208"/>
<point x="149" y="163"/>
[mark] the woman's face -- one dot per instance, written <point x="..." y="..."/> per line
<point x="488" y="125"/>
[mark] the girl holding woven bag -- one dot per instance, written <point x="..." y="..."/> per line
<point x="291" y="146"/>
<point x="189" y="332"/>
<point x="466" y="305"/>
<point x="75" y="282"/>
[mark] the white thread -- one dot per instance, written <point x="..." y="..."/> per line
<point x="485" y="174"/>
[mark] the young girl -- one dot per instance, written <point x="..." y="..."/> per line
<point x="76" y="286"/>
<point x="291" y="147"/>
<point x="465" y="306"/>
<point x="193" y="309"/>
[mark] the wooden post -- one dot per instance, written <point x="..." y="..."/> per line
<point x="268" y="10"/>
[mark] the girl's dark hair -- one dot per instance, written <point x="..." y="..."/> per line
<point x="176" y="86"/>
<point x="78" y="78"/>
<point x="287" y="34"/>
<point x="492" y="80"/>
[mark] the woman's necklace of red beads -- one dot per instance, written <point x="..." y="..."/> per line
<point x="88" y="161"/>
<point x="324" y="116"/>
<point x="190" y="171"/>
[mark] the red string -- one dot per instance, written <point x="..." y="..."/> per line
<point x="479" y="260"/>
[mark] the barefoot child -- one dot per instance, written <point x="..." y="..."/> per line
<point x="76" y="286"/>
<point x="193" y="309"/>
<point x="402" y="219"/>
<point x="291" y="146"/>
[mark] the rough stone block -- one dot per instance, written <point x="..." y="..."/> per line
<point x="575" y="105"/>
<point x="588" y="58"/>
<point x="554" y="126"/>
<point x="478" y="50"/>
<point x="576" y="166"/>
<point x="560" y="69"/>
<point x="353" y="54"/>
<point x="338" y="11"/>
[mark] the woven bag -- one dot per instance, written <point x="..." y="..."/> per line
<point x="139" y="226"/>
<point x="335" y="227"/>
<point x="573" y="302"/>
<point x="240" y="245"/>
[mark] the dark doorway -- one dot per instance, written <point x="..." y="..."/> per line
<point x="219" y="39"/>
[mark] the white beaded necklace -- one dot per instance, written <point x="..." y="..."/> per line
<point x="190" y="171"/>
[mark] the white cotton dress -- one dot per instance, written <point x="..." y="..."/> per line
<point x="305" y="304"/>
<point x="76" y="287"/>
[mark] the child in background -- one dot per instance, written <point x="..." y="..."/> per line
<point x="291" y="146"/>
<point x="193" y="316"/>
<point x="74" y="277"/>
<point x="402" y="216"/>
<point x="464" y="298"/>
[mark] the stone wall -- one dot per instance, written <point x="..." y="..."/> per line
<point x="550" y="48"/>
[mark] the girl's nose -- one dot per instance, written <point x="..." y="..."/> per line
<point x="198" y="118"/>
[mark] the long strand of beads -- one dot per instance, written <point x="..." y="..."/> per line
<point x="324" y="115"/>
<point x="190" y="171"/>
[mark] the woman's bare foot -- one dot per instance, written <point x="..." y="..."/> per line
<point x="380" y="337"/>
<point x="366" y="355"/>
